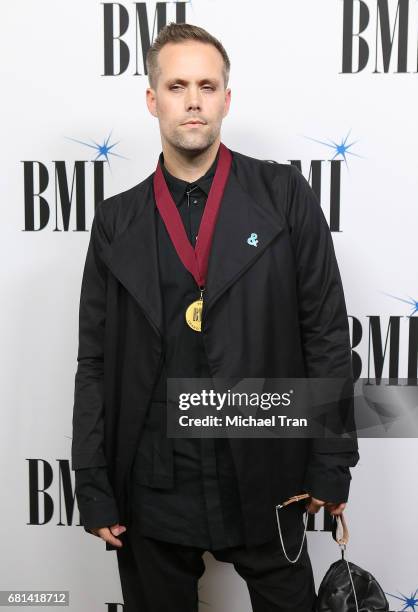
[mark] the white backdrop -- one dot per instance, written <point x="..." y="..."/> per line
<point x="289" y="98"/>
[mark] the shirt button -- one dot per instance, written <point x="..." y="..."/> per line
<point x="194" y="201"/>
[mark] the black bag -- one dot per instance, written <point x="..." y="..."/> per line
<point x="346" y="587"/>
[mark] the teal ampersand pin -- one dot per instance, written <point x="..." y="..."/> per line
<point x="252" y="240"/>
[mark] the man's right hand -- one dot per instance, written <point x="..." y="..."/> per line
<point x="108" y="534"/>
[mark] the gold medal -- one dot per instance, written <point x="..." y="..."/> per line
<point x="194" y="313"/>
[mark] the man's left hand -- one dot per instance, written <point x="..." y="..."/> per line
<point x="316" y="504"/>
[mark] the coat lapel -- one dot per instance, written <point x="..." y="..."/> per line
<point x="133" y="255"/>
<point x="240" y="216"/>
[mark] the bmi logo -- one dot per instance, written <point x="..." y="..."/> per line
<point x="380" y="36"/>
<point x="126" y="34"/>
<point x="62" y="188"/>
<point x="315" y="176"/>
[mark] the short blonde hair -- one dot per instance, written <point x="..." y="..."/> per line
<point x="177" y="33"/>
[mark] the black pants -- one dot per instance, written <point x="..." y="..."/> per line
<point x="159" y="576"/>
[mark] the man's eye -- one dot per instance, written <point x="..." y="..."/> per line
<point x="205" y="87"/>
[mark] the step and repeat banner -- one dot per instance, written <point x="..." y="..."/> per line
<point x="329" y="86"/>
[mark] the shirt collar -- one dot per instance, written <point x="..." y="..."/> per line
<point x="178" y="186"/>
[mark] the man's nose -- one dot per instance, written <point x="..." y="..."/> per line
<point x="193" y="99"/>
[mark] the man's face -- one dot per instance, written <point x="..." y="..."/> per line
<point x="190" y="87"/>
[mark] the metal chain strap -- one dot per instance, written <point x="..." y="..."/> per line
<point x="281" y="537"/>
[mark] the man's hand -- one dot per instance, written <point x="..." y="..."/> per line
<point x="108" y="534"/>
<point x="315" y="505"/>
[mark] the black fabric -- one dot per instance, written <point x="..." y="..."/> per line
<point x="95" y="498"/>
<point x="184" y="490"/>
<point x="192" y="497"/>
<point x="157" y="576"/>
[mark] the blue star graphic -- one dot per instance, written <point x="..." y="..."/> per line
<point x="103" y="150"/>
<point x="340" y="149"/>
<point x="410" y="602"/>
<point x="411" y="301"/>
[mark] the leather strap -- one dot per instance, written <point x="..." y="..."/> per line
<point x="295" y="498"/>
<point x="340" y="531"/>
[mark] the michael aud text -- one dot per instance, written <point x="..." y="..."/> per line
<point x="241" y="421"/>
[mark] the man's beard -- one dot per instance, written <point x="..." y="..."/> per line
<point x="193" y="144"/>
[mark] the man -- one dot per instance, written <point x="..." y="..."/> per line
<point x="269" y="301"/>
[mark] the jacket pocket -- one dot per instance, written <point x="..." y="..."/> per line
<point x="153" y="463"/>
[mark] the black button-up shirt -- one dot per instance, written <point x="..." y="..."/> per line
<point x="202" y="506"/>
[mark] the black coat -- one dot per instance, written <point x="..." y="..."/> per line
<point x="275" y="310"/>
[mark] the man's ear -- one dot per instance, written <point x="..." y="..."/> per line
<point x="151" y="101"/>
<point x="227" y="101"/>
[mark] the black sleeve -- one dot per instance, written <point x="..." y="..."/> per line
<point x="328" y="476"/>
<point x="325" y="334"/>
<point x="95" y="498"/>
<point x="87" y="448"/>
